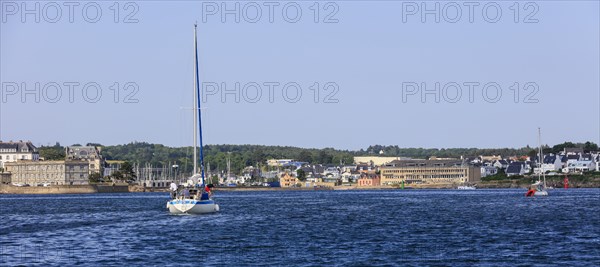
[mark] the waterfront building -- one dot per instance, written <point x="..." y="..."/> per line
<point x="91" y="154"/>
<point x="367" y="180"/>
<point x="581" y="166"/>
<point x="488" y="171"/>
<point x="287" y="180"/>
<point x="501" y="164"/>
<point x="365" y="168"/>
<point x="428" y="172"/>
<point x="58" y="172"/>
<point x="551" y="163"/>
<point x="13" y="151"/>
<point x="331" y="172"/>
<point x="517" y="168"/>
<point x="269" y="174"/>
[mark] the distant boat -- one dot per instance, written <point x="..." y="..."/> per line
<point x="466" y="187"/>
<point x="195" y="197"/>
<point x="539" y="188"/>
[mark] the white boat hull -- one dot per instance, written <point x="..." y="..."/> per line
<point x="190" y="206"/>
<point x="466" y="187"/>
<point x="540" y="193"/>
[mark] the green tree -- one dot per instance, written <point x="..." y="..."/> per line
<point x="560" y="147"/>
<point x="532" y="153"/>
<point x="214" y="180"/>
<point x="126" y="170"/>
<point x="93" y="144"/>
<point x="52" y="152"/>
<point x="305" y="156"/>
<point x="324" y="157"/>
<point x="95" y="178"/>
<point x="301" y="174"/>
<point x="589" y="146"/>
<point x="117" y="175"/>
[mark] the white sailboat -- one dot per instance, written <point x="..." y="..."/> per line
<point x="195" y="197"/>
<point x="539" y="188"/>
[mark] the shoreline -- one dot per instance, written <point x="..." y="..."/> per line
<point x="62" y="189"/>
<point x="100" y="189"/>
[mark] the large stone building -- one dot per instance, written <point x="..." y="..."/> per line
<point x="13" y="151"/>
<point x="60" y="172"/>
<point x="91" y="154"/>
<point x="428" y="172"/>
<point x="375" y="160"/>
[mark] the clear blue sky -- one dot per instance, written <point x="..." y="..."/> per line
<point x="369" y="53"/>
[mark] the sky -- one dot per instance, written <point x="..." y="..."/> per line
<point x="342" y="74"/>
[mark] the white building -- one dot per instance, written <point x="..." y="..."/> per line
<point x="331" y="172"/>
<point x="488" y="171"/>
<point x="13" y="151"/>
<point x="552" y="163"/>
<point x="278" y="162"/>
<point x="90" y="154"/>
<point x="581" y="166"/>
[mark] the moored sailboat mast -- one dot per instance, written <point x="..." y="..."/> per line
<point x="197" y="114"/>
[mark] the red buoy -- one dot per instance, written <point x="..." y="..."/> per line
<point x="566" y="182"/>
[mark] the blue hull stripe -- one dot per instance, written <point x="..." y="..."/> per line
<point x="192" y="202"/>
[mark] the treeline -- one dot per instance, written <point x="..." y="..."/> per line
<point x="241" y="156"/>
<point x="215" y="156"/>
<point x="471" y="152"/>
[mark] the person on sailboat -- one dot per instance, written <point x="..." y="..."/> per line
<point x="173" y="189"/>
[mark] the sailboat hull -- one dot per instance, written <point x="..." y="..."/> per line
<point x="540" y="193"/>
<point x="190" y="206"/>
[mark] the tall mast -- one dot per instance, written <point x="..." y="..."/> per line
<point x="540" y="159"/>
<point x="197" y="82"/>
<point x="228" y="165"/>
<point x="195" y="105"/>
<point x="541" y="153"/>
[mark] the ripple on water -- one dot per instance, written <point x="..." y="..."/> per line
<point x="396" y="227"/>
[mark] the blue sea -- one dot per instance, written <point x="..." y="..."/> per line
<point x="306" y="228"/>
